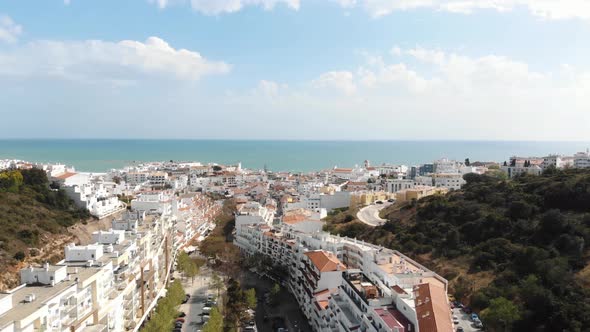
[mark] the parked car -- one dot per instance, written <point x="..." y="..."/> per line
<point x="176" y="330"/>
<point x="181" y="314"/>
<point x="478" y="324"/>
<point x="474" y="317"/>
<point x="178" y="325"/>
<point x="379" y="202"/>
<point x="467" y="310"/>
<point x="391" y="200"/>
<point x="205" y="318"/>
<point x="455" y="320"/>
<point x="206" y="310"/>
<point x="180" y="320"/>
<point x="460" y="329"/>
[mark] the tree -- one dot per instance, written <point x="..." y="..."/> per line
<point x="250" y="295"/>
<point x="216" y="283"/>
<point x="274" y="292"/>
<point x="500" y="315"/>
<point x="215" y="322"/>
<point x="187" y="266"/>
<point x="166" y="310"/>
<point x="10" y="181"/>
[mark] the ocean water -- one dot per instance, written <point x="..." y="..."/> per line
<point x="100" y="155"/>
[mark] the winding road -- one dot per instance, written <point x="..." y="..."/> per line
<point x="370" y="214"/>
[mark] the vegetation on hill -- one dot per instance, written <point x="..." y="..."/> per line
<point x="28" y="209"/>
<point x="514" y="249"/>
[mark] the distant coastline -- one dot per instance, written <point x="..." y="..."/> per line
<point x="100" y="155"/>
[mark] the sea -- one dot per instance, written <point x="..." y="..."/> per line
<point x="101" y="155"/>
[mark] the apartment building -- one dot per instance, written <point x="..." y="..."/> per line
<point x="153" y="202"/>
<point x="518" y="169"/>
<point x="158" y="179"/>
<point x="448" y="180"/>
<point x="582" y="160"/>
<point x="395" y="185"/>
<point x="111" y="284"/>
<point x="136" y="178"/>
<point x="418" y="192"/>
<point x="253" y="213"/>
<point x="343" y="284"/>
<point x="91" y="192"/>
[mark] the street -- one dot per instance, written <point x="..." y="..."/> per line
<point x="464" y="321"/>
<point x="370" y="214"/>
<point x="285" y="314"/>
<point x="199" y="289"/>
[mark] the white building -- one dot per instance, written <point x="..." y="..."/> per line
<point x="252" y="213"/>
<point x="342" y="284"/>
<point x="582" y="160"/>
<point x="153" y="202"/>
<point x="513" y="171"/>
<point x="448" y="180"/>
<point x="396" y="185"/>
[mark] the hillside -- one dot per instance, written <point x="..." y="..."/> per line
<point x="32" y="217"/>
<point x="523" y="240"/>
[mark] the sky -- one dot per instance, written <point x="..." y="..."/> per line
<point x="296" y="69"/>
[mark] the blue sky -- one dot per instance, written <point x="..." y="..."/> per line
<point x="296" y="69"/>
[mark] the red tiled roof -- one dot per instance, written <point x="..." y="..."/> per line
<point x="293" y="218"/>
<point x="325" y="261"/>
<point x="321" y="305"/>
<point x="432" y="308"/>
<point x="65" y="175"/>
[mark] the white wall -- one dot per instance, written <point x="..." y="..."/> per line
<point x="83" y="253"/>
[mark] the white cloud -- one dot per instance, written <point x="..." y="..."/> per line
<point x="340" y="80"/>
<point x="216" y="7"/>
<point x="96" y="60"/>
<point x="436" y="94"/>
<point x="548" y="9"/>
<point x="161" y="3"/>
<point x="9" y="30"/>
<point x="346" y="3"/>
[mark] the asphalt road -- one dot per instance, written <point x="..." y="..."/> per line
<point x="370" y="214"/>
<point x="464" y="321"/>
<point x="199" y="289"/>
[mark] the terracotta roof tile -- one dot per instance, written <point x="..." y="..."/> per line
<point x="325" y="261"/>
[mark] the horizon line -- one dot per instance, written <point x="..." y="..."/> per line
<point x="294" y="139"/>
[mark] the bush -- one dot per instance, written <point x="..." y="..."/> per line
<point x="19" y="256"/>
